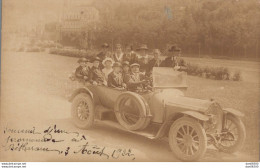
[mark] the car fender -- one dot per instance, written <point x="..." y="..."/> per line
<point x="196" y="115"/>
<point x="174" y="116"/>
<point x="81" y="90"/>
<point x="233" y="111"/>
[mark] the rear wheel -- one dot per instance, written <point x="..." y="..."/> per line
<point x="233" y="135"/>
<point x="187" y="139"/>
<point x="82" y="111"/>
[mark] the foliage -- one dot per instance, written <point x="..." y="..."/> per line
<point x="72" y="52"/>
<point x="237" y="76"/>
<point x="217" y="73"/>
<point x="210" y="27"/>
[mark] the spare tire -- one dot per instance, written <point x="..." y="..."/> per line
<point x="132" y="111"/>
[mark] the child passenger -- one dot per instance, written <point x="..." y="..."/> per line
<point x="115" y="79"/>
<point x="97" y="77"/>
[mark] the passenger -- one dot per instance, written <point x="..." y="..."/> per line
<point x="107" y="63"/>
<point x="126" y="73"/>
<point x="118" y="55"/>
<point x="115" y="79"/>
<point x="96" y="76"/>
<point x="82" y="72"/>
<point x="130" y="55"/>
<point x="137" y="79"/>
<point x="155" y="62"/>
<point x="104" y="53"/>
<point x="172" y="60"/>
<point x="143" y="58"/>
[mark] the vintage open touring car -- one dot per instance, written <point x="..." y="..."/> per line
<point x="189" y="124"/>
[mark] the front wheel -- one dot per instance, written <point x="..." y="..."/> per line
<point x="82" y="111"/>
<point x="233" y="135"/>
<point x="187" y="139"/>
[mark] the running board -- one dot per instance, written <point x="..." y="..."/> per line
<point x="118" y="126"/>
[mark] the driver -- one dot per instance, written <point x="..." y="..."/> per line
<point x="137" y="79"/>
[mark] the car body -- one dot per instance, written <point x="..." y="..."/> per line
<point x="189" y="124"/>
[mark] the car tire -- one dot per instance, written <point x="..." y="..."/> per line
<point x="138" y="103"/>
<point x="241" y="135"/>
<point x="187" y="139"/>
<point x="82" y="111"/>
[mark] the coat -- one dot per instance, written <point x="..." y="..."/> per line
<point x="130" y="57"/>
<point x="96" y="75"/>
<point x="118" y="58"/>
<point x="133" y="83"/>
<point x="143" y="62"/>
<point x="169" y="62"/>
<point x="153" y="63"/>
<point x="80" y="72"/>
<point x="115" y="80"/>
<point x="126" y="77"/>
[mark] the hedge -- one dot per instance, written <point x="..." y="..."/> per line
<point x="216" y="73"/>
<point x="73" y="52"/>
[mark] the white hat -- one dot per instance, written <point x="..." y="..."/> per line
<point x="108" y="59"/>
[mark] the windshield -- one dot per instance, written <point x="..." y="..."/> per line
<point x="168" y="77"/>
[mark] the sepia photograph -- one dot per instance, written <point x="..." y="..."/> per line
<point x="130" y="81"/>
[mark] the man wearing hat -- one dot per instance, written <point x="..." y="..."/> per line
<point x="125" y="72"/>
<point x="137" y="79"/>
<point x="118" y="55"/>
<point x="96" y="75"/>
<point x="104" y="53"/>
<point x="143" y="58"/>
<point x="115" y="79"/>
<point x="82" y="72"/>
<point x="172" y="60"/>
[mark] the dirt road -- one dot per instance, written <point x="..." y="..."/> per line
<point x="33" y="91"/>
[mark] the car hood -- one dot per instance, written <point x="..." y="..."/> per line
<point x="176" y="98"/>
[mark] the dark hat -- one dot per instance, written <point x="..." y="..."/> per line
<point x="172" y="48"/>
<point x="135" y="64"/>
<point x="117" y="64"/>
<point x="107" y="59"/>
<point x="96" y="59"/>
<point x="142" y="47"/>
<point x="105" y="45"/>
<point x="126" y="63"/>
<point x="83" y="60"/>
<point x="177" y="49"/>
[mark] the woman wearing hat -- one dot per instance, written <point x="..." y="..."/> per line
<point x="82" y="72"/>
<point x="115" y="79"/>
<point x="107" y="63"/>
<point x="97" y="77"/>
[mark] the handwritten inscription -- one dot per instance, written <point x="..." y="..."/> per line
<point x="59" y="141"/>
